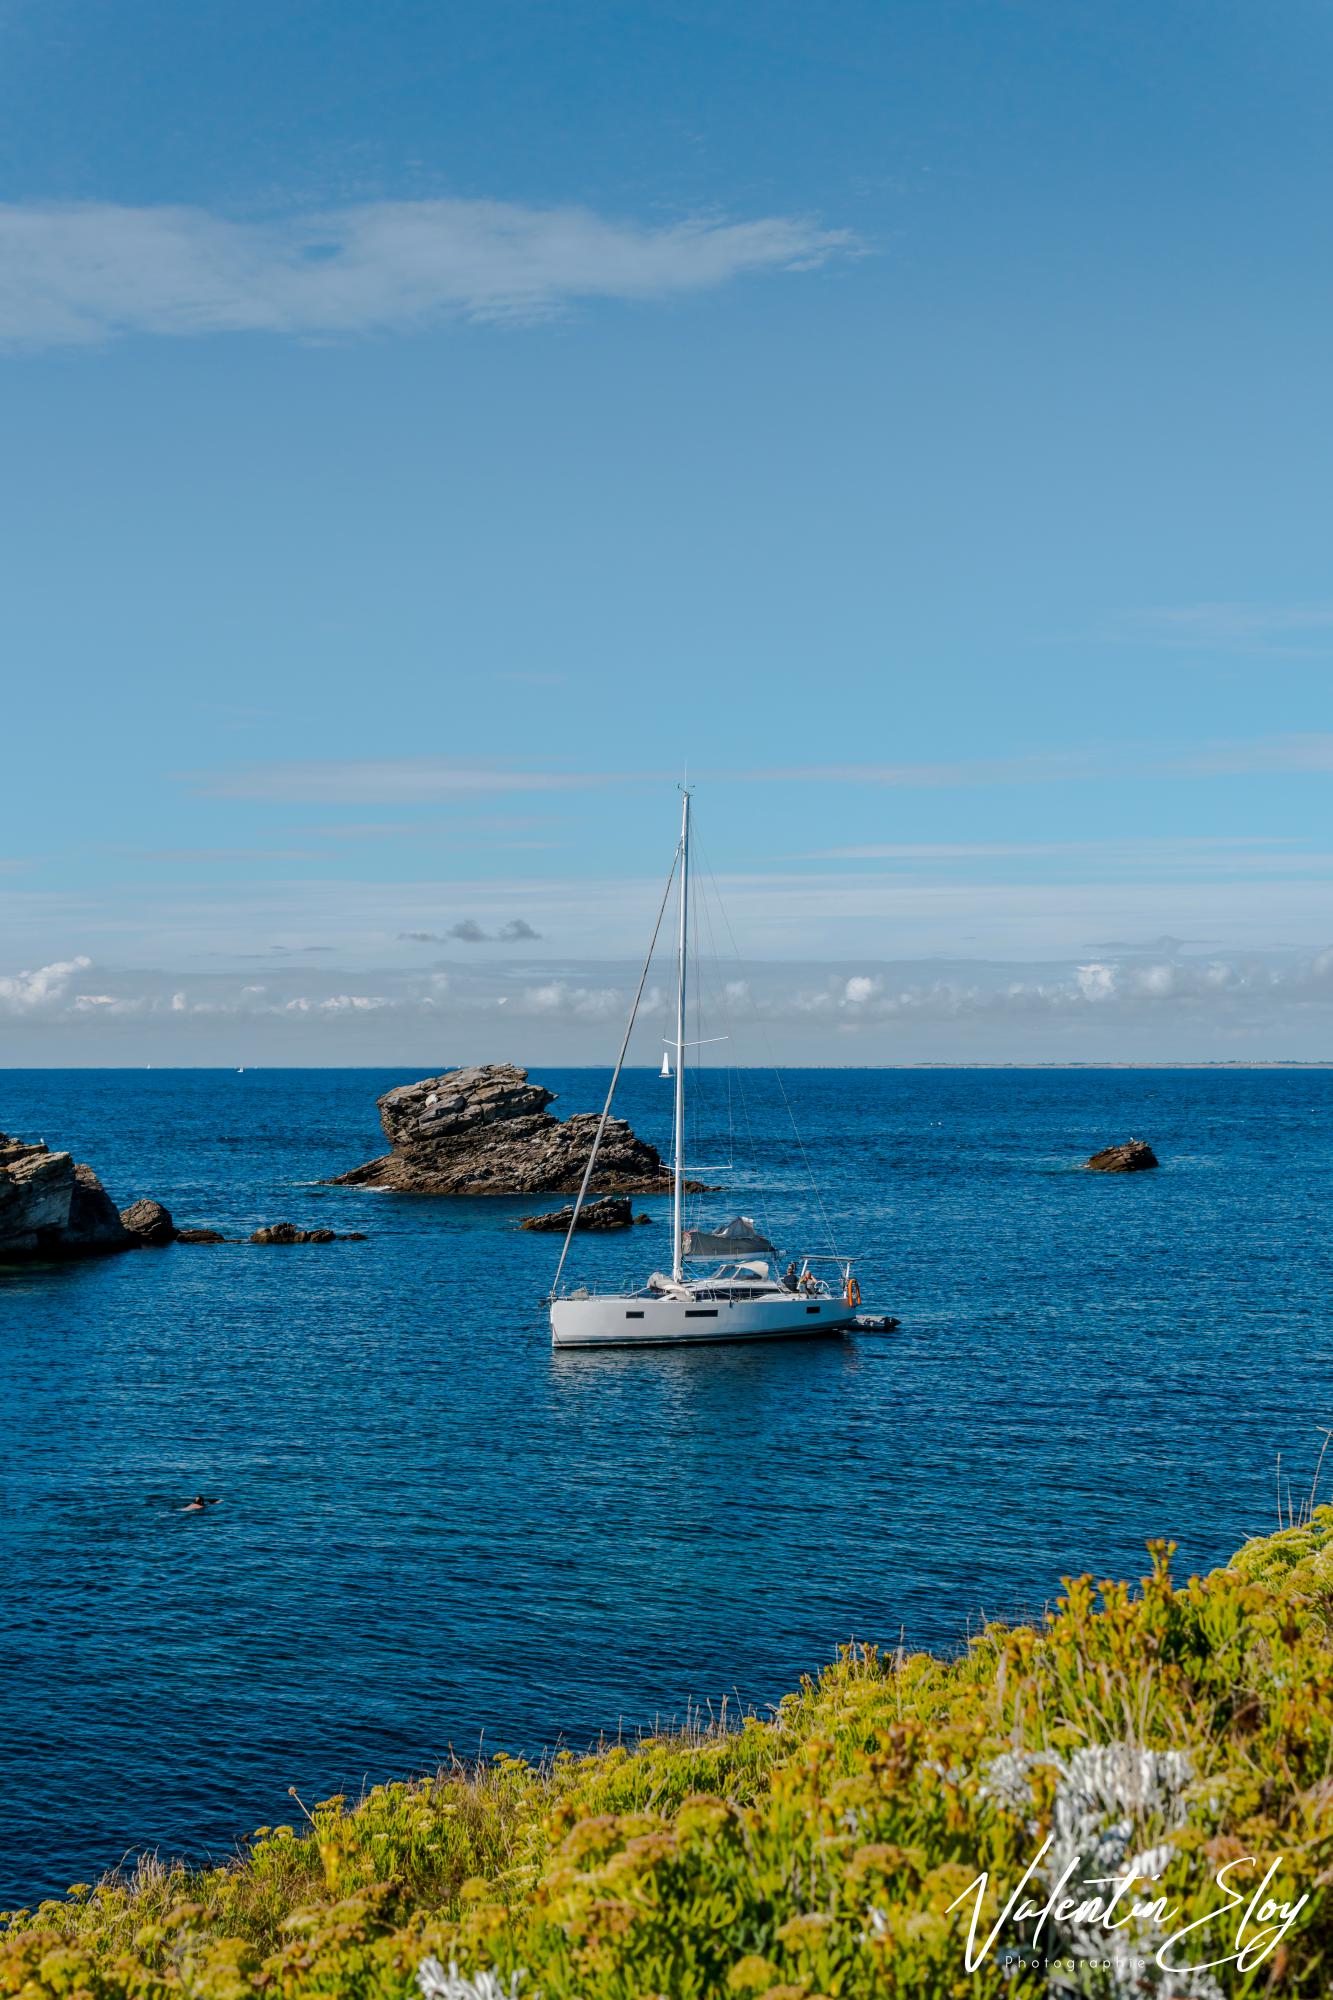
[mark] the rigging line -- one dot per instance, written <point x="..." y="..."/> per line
<point x="615" y="1075"/>
<point x="735" y="1068"/>
<point x="777" y="1074"/>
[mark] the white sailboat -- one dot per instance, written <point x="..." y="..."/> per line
<point x="741" y="1297"/>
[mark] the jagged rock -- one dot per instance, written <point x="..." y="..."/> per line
<point x="613" y="1211"/>
<point x="200" y="1236"/>
<point x="486" y="1130"/>
<point x="150" y="1223"/>
<point x="36" y="1188"/>
<point x="14" y="1150"/>
<point x="1134" y="1157"/>
<point x="287" y="1232"/>
<point x="442" y="1108"/>
<point x="94" y="1220"/>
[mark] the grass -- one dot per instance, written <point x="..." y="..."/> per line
<point x="817" y="1853"/>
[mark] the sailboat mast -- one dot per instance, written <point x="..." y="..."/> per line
<point x="677" y="1236"/>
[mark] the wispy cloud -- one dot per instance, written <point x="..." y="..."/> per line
<point x="1182" y="855"/>
<point x="1262" y="755"/>
<point x="1296" y="629"/>
<point x="381" y="781"/>
<point x="422" y="780"/>
<point x="1039" y="767"/>
<point x="79" y="272"/>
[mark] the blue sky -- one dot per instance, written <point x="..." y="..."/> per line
<point x="428" y="430"/>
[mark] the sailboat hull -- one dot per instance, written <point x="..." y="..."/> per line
<point x="682" y="1322"/>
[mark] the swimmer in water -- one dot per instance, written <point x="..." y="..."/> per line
<point x="197" y="1505"/>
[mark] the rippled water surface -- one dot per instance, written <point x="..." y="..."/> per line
<point x="435" y="1532"/>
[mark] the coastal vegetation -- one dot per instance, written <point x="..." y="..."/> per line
<point x="1176" y="1731"/>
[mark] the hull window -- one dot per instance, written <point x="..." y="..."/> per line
<point x="701" y="1312"/>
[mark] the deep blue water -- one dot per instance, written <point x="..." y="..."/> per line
<point x="435" y="1532"/>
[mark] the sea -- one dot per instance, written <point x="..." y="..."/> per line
<point x="434" y="1536"/>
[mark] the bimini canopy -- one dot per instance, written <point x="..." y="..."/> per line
<point x="738" y="1238"/>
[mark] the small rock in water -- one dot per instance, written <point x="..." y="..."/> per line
<point x="1134" y="1157"/>
<point x="150" y="1222"/>
<point x="287" y="1232"/>
<point x="613" y="1211"/>
<point x="200" y="1236"/>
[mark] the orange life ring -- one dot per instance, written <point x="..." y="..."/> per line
<point x="853" y="1293"/>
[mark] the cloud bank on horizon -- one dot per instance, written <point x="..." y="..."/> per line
<point x="878" y="1014"/>
<point x="74" y="272"/>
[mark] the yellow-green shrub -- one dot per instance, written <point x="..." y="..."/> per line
<point x="816" y="1854"/>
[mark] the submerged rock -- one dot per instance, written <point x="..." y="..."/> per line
<point x="613" y="1211"/>
<point x="54" y="1206"/>
<point x="486" y="1130"/>
<point x="1134" y="1157"/>
<point x="150" y="1223"/>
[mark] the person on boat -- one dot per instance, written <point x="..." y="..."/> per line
<point x="809" y="1283"/>
<point x="790" y="1277"/>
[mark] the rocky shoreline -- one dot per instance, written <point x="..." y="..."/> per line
<point x="486" y="1130"/>
<point x="52" y="1206"/>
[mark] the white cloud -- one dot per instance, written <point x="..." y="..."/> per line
<point x="47" y="987"/>
<point x="1095" y="982"/>
<point x="584" y="1002"/>
<point x="83" y="271"/>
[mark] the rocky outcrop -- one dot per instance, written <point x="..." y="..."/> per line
<point x="487" y="1130"/>
<point x="613" y="1211"/>
<point x="54" y="1206"/>
<point x="150" y="1223"/>
<point x="1134" y="1157"/>
<point x="287" y="1232"/>
<point x="200" y="1236"/>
